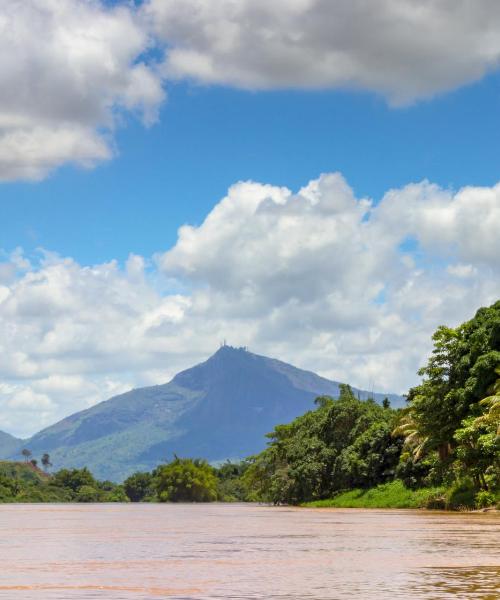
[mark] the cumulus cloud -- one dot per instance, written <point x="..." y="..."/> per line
<point x="70" y="71"/>
<point x="320" y="278"/>
<point x="403" y="49"/>
<point x="334" y="274"/>
<point x="67" y="71"/>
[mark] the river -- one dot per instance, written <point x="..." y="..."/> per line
<point x="237" y="551"/>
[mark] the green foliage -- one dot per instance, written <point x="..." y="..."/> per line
<point x="74" y="479"/>
<point x="231" y="487"/>
<point x="87" y="493"/>
<point x="454" y="414"/>
<point x="484" y="499"/>
<point x="388" y="495"/>
<point x="478" y="450"/>
<point x="24" y="482"/>
<point x="344" y="443"/>
<point x="25" y="472"/>
<point x="46" y="461"/>
<point x="412" y="472"/>
<point x="117" y="494"/>
<point x="186" y="480"/>
<point x="461" y="496"/>
<point x="139" y="486"/>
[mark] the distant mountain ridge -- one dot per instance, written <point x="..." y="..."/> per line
<point x="8" y="443"/>
<point x="219" y="409"/>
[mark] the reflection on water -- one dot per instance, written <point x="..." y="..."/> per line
<point x="218" y="551"/>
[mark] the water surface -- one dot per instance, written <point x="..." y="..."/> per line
<point x="237" y="551"/>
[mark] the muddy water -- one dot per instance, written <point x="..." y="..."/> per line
<point x="244" y="551"/>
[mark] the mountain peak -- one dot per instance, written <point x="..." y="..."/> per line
<point x="221" y="408"/>
<point x="226" y="350"/>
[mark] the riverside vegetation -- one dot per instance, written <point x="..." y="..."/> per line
<point x="441" y="451"/>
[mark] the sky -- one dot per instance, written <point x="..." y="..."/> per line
<point x="317" y="181"/>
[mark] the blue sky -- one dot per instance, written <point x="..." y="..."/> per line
<point x="209" y="137"/>
<point x="318" y="181"/>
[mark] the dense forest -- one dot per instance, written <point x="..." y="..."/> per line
<point x="441" y="451"/>
<point x="446" y="440"/>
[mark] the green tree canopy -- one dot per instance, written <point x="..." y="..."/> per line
<point x="344" y="443"/>
<point x="186" y="480"/>
<point x="452" y="412"/>
<point x="138" y="486"/>
<point x="74" y="479"/>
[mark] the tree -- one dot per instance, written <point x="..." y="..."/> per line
<point x="27" y="454"/>
<point x="231" y="487"/>
<point x="138" y="486"/>
<point x="343" y="443"/>
<point x="46" y="461"/>
<point x="74" y="479"/>
<point x="186" y="480"/>
<point x="454" y="412"/>
<point x="492" y="404"/>
<point x="408" y="428"/>
<point x="87" y="493"/>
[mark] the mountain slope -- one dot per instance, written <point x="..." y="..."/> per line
<point x="219" y="409"/>
<point x="8" y="444"/>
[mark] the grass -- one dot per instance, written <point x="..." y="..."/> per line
<point x="387" y="495"/>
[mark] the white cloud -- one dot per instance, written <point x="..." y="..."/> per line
<point x="319" y="278"/>
<point x="67" y="69"/>
<point x="403" y="49"/>
<point x="71" y="70"/>
<point x="323" y="278"/>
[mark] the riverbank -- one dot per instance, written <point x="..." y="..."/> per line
<point x="396" y="495"/>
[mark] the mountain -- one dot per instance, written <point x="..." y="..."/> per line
<point x="8" y="444"/>
<point x="219" y="409"/>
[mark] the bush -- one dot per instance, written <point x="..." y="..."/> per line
<point x="461" y="496"/>
<point x="87" y="494"/>
<point x="387" y="495"/>
<point x="484" y="499"/>
<point x="186" y="480"/>
<point x="74" y="479"/>
<point x="436" y="501"/>
<point x="138" y="486"/>
<point x="115" y="495"/>
<point x="412" y="473"/>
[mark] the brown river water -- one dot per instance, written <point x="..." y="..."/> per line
<point x="238" y="551"/>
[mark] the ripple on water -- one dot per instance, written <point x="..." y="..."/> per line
<point x="144" y="552"/>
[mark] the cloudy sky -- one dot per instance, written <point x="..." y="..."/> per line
<point x="316" y="180"/>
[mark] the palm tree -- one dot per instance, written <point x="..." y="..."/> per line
<point x="492" y="403"/>
<point x="409" y="429"/>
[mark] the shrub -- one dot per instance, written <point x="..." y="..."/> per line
<point x="87" y="494"/>
<point x="138" y="486"/>
<point x="436" y="501"/>
<point x="117" y="494"/>
<point x="461" y="496"/>
<point x="186" y="480"/>
<point x="484" y="499"/>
